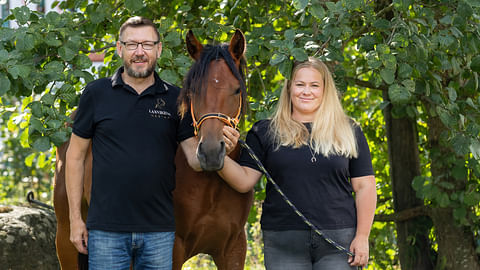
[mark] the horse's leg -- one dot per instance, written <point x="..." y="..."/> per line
<point x="233" y="258"/>
<point x="66" y="252"/>
<point x="178" y="253"/>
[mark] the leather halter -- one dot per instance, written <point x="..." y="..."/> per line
<point x="232" y="122"/>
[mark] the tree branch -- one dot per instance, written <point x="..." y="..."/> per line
<point x="365" y="27"/>
<point x="404" y="215"/>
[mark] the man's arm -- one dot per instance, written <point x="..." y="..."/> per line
<point x="75" y="166"/>
<point x="189" y="147"/>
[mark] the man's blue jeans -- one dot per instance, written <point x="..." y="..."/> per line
<point x="116" y="250"/>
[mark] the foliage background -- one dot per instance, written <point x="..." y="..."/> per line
<point x="419" y="57"/>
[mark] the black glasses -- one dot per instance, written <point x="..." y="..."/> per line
<point x="146" y="45"/>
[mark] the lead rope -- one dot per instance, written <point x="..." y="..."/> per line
<point x="285" y="198"/>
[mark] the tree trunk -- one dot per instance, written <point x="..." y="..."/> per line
<point x="415" y="250"/>
<point x="456" y="246"/>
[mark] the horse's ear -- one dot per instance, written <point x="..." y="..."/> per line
<point x="237" y="45"/>
<point x="194" y="47"/>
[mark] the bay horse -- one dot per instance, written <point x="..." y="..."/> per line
<point x="209" y="215"/>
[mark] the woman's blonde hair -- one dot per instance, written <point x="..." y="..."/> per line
<point x="332" y="130"/>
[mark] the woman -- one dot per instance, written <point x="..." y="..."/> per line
<point x="319" y="157"/>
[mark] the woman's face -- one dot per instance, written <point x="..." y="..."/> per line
<point x="306" y="92"/>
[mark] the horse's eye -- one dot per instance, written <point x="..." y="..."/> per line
<point x="237" y="91"/>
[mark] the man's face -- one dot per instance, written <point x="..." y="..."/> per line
<point x="139" y="62"/>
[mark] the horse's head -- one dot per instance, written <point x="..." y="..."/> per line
<point x="214" y="91"/>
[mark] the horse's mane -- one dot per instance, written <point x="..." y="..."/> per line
<point x="194" y="82"/>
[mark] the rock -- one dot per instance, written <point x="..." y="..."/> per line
<point x="27" y="239"/>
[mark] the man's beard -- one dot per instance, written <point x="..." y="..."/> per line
<point x="138" y="74"/>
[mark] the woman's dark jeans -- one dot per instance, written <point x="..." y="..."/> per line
<point x="306" y="250"/>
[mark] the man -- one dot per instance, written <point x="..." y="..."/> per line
<point x="132" y="122"/>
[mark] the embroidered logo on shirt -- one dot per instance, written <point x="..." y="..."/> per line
<point x="157" y="112"/>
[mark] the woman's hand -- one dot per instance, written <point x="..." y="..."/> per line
<point x="359" y="247"/>
<point x="230" y="137"/>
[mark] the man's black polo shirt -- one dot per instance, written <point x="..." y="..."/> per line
<point x="134" y="138"/>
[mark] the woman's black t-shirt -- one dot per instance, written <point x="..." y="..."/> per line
<point x="321" y="190"/>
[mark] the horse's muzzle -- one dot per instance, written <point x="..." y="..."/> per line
<point x="211" y="156"/>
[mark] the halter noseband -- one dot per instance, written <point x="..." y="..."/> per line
<point x="232" y="122"/>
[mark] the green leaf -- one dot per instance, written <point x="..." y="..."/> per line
<point x="445" y="117"/>
<point x="54" y="19"/>
<point x="317" y="11"/>
<point x="41" y="160"/>
<point x="471" y="198"/>
<point x="460" y="172"/>
<point x="134" y="5"/>
<point x="289" y="34"/>
<point x="383" y="49"/>
<point x="473" y="3"/>
<point x="475" y="148"/>
<point x="42" y="144"/>
<point x="285" y="68"/>
<point x="299" y="54"/>
<point x="66" y="53"/>
<point x="169" y="76"/>
<point x="404" y="70"/>
<point x="36" y="109"/>
<point x="3" y="55"/>
<point x="452" y="94"/>
<point x="13" y="70"/>
<point x="48" y="99"/>
<point x="398" y="94"/>
<point x="418" y="183"/>
<point x="389" y="61"/>
<point x="67" y="93"/>
<point x="277" y="58"/>
<point x="388" y="75"/>
<point x="52" y="40"/>
<point x="443" y="199"/>
<point x="24" y="71"/>
<point x="25" y="42"/>
<point x="6" y="34"/>
<point x="300" y="4"/>
<point x="36" y="124"/>
<point x="381" y="24"/>
<point x="354" y="4"/>
<point x="173" y="38"/>
<point x="54" y="124"/>
<point x="54" y="67"/>
<point x="409" y="85"/>
<point x="475" y="64"/>
<point x="82" y="61"/>
<point x="21" y="14"/>
<point x="367" y="43"/>
<point x="373" y="61"/>
<point x="29" y="159"/>
<point x="464" y="10"/>
<point x="183" y="61"/>
<point x="4" y="84"/>
<point x="98" y="14"/>
<point x="59" y="137"/>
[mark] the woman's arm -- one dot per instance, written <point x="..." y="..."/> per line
<point x="240" y="178"/>
<point x="366" y="201"/>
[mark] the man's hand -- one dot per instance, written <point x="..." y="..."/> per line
<point x="79" y="235"/>
<point x="230" y="137"/>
